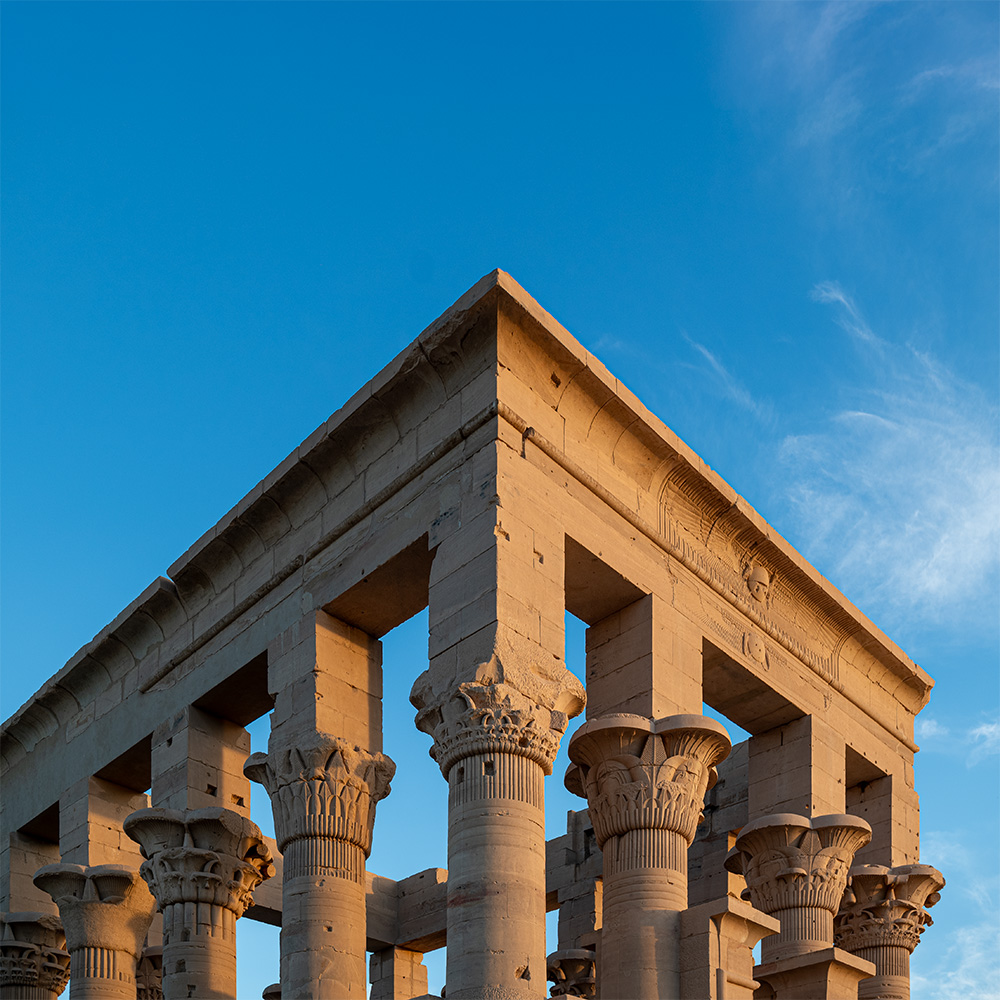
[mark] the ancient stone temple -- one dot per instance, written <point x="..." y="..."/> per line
<point x="497" y="474"/>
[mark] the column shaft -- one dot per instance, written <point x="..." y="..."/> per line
<point x="496" y="877"/>
<point x="323" y="920"/>
<point x="199" y="955"/>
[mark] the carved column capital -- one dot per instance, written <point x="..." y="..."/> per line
<point x="149" y="975"/>
<point x="790" y="861"/>
<point x="641" y="774"/>
<point x="511" y="705"/>
<point x="104" y="907"/>
<point x="212" y="856"/>
<point x="33" y="952"/>
<point x="321" y="786"/>
<point x="886" y="907"/>
<point x="572" y="972"/>
<point x="796" y="870"/>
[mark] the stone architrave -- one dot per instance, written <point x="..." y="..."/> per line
<point x="796" y="870"/>
<point x="496" y="736"/>
<point x="323" y="795"/>
<point x="149" y="975"/>
<point x="573" y="973"/>
<point x="34" y="963"/>
<point x="106" y="911"/>
<point x="645" y="782"/>
<point x="882" y="916"/>
<point x="202" y="866"/>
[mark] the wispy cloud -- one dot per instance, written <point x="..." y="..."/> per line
<point x="985" y="742"/>
<point x="969" y="967"/>
<point x="928" y="728"/>
<point x="899" y="493"/>
<point x="849" y="317"/>
<point x="731" y="386"/>
<point x="967" y="962"/>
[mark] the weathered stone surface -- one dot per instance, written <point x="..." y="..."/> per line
<point x="106" y="912"/>
<point x="882" y="916"/>
<point x="202" y="867"/>
<point x="34" y="962"/>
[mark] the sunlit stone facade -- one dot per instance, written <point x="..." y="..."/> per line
<point x="497" y="474"/>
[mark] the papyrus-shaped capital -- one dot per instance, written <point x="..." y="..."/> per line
<point x="106" y="906"/>
<point x="886" y="906"/>
<point x="321" y="786"/>
<point x="212" y="855"/>
<point x="510" y="705"/>
<point x="644" y="774"/>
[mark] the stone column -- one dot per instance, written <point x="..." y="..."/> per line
<point x="645" y="784"/>
<point x="106" y="912"/>
<point x="149" y="975"/>
<point x="202" y="867"/>
<point x="573" y="973"/>
<point x="398" y="974"/>
<point x="495" y="738"/>
<point x="323" y="794"/>
<point x="34" y="963"/>
<point x="882" y="915"/>
<point x="796" y="870"/>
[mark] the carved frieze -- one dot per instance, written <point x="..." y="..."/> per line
<point x="508" y="706"/>
<point x="321" y="786"/>
<point x="638" y="774"/>
<point x="212" y="856"/>
<point x="33" y="953"/>
<point x="886" y="907"/>
<point x="790" y="862"/>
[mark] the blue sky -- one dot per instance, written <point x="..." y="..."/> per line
<point x="777" y="224"/>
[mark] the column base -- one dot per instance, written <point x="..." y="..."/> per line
<point x="830" y="974"/>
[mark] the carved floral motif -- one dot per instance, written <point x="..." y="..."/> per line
<point x="641" y="775"/>
<point x="572" y="972"/>
<point x="886" y="906"/>
<point x="149" y="975"/>
<point x="210" y="855"/>
<point x="323" y="787"/>
<point x="509" y="706"/>
<point x="791" y="862"/>
<point x="33" y="952"/>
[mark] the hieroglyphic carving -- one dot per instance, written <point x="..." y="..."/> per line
<point x="322" y="787"/>
<point x="33" y="953"/>
<point x="508" y="707"/>
<point x="886" y="906"/>
<point x="212" y="856"/>
<point x="572" y="973"/>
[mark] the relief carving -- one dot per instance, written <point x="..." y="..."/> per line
<point x="886" y="906"/>
<point x="641" y="775"/>
<point x="790" y="862"/>
<point x="758" y="582"/>
<point x="323" y="787"/>
<point x="508" y="707"/>
<point x="149" y="975"/>
<point x="33" y="953"/>
<point x="212" y="856"/>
